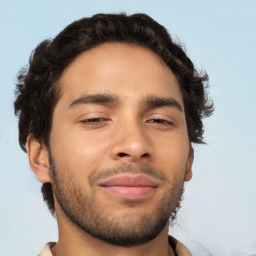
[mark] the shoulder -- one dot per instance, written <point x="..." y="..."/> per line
<point x="47" y="249"/>
<point x="179" y="248"/>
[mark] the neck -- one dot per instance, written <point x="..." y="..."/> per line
<point x="74" y="241"/>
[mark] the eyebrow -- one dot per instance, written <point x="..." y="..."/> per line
<point x="155" y="101"/>
<point x="95" y="99"/>
<point x="152" y="101"/>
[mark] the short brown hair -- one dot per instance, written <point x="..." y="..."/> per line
<point x="37" y="91"/>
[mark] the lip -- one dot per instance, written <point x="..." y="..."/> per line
<point x="131" y="187"/>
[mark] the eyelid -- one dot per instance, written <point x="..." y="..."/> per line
<point x="94" y="119"/>
<point x="161" y="116"/>
<point x="160" y="121"/>
<point x="93" y="114"/>
<point x="94" y="122"/>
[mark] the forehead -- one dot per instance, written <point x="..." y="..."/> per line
<point x="121" y="69"/>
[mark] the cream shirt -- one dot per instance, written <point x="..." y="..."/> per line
<point x="178" y="247"/>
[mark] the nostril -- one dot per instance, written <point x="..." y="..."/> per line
<point x="122" y="154"/>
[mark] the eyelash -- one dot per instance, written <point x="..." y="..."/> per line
<point x="161" y="122"/>
<point x="98" y="121"/>
<point x="93" y="121"/>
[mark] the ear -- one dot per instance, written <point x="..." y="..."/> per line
<point x="190" y="160"/>
<point x="38" y="159"/>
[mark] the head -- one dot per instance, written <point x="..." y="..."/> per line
<point x="90" y="52"/>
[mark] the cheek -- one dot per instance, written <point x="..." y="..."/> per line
<point x="172" y="154"/>
<point x="78" y="151"/>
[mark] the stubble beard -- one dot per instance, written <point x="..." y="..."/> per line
<point x="128" y="229"/>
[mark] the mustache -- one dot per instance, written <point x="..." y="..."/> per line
<point x="128" y="168"/>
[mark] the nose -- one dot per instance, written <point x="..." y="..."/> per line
<point x="131" y="144"/>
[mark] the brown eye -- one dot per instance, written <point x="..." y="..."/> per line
<point x="94" y="122"/>
<point x="160" y="121"/>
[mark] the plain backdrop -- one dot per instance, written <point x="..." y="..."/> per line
<point x="218" y="211"/>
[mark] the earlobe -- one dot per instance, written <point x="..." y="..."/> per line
<point x="38" y="159"/>
<point x="190" y="160"/>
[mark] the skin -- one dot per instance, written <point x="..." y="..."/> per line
<point x="130" y="132"/>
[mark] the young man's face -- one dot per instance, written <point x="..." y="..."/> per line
<point x="119" y="144"/>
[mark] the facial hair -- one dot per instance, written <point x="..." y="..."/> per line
<point x="127" y="229"/>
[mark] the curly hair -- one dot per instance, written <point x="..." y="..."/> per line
<point x="37" y="90"/>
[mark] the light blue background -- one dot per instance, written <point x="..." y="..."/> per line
<point x="219" y="208"/>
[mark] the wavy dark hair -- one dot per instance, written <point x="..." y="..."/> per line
<point x="37" y="90"/>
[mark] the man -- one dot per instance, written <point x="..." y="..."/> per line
<point x="108" y="111"/>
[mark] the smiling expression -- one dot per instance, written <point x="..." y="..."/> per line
<point x="119" y="141"/>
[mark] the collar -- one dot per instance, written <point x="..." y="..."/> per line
<point x="179" y="248"/>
